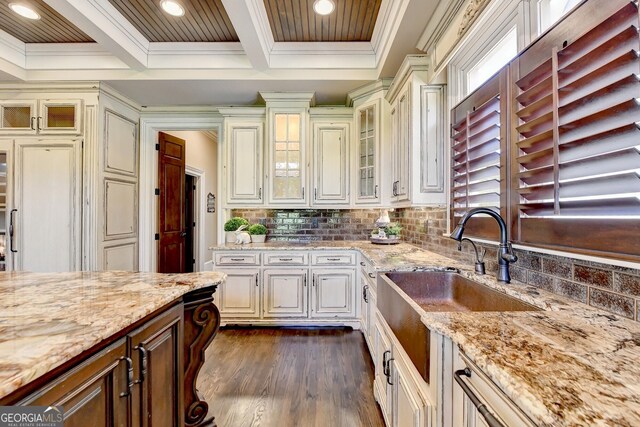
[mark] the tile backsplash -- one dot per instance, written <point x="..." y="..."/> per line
<point x="611" y="288"/>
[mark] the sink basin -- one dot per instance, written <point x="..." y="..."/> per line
<point x="434" y="291"/>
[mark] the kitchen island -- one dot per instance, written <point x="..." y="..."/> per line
<point x="121" y="345"/>
<point x="566" y="365"/>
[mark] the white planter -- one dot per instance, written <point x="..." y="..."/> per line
<point x="230" y="236"/>
<point x="258" y="238"/>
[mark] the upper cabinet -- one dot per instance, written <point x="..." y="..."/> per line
<point x="244" y="139"/>
<point x="43" y="116"/>
<point x="287" y="117"/>
<point x="417" y="136"/>
<point x="331" y="130"/>
<point x="371" y="144"/>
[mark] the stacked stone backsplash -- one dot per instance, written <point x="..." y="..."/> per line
<point x="601" y="285"/>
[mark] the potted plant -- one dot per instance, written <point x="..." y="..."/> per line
<point x="393" y="230"/>
<point x="231" y="226"/>
<point x="258" y="233"/>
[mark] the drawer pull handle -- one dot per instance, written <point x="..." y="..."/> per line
<point x="481" y="407"/>
<point x="143" y="363"/>
<point x="362" y="263"/>
<point x="385" y="363"/>
<point x="389" y="371"/>
<point x="129" y="373"/>
<point x="373" y="276"/>
<point x="365" y="288"/>
<point x="286" y="259"/>
<point x="237" y="259"/>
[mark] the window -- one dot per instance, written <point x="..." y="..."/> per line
<point x="505" y="50"/>
<point x="573" y="138"/>
<point x="550" y="11"/>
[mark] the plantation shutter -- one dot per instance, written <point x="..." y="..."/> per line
<point x="577" y="141"/>
<point x="478" y="133"/>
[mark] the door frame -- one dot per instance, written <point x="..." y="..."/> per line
<point x="199" y="207"/>
<point x="150" y="126"/>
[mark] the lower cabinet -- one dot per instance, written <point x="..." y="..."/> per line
<point x="239" y="296"/>
<point x="96" y="390"/>
<point x="136" y="381"/>
<point x="284" y="293"/>
<point x="475" y="385"/>
<point x="402" y="399"/>
<point x="332" y="293"/>
<point x="156" y="350"/>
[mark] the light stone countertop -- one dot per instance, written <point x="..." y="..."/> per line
<point x="569" y="365"/>
<point x="46" y="319"/>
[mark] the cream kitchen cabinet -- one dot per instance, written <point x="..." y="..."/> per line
<point x="284" y="293"/>
<point x="472" y="388"/>
<point x="239" y="296"/>
<point x="417" y="136"/>
<point x="244" y="165"/>
<point x="41" y="116"/>
<point x="368" y="153"/>
<point x="401" y="392"/>
<point x="332" y="293"/>
<point x="330" y="163"/>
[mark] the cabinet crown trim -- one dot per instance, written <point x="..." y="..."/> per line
<point x="410" y="65"/>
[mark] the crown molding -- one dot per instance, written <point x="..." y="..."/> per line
<point x="410" y="65"/>
<point x="239" y="111"/>
<point x="380" y="85"/>
<point x="439" y="23"/>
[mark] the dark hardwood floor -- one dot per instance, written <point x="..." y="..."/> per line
<point x="291" y="377"/>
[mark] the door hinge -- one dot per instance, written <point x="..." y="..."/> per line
<point x="157" y="191"/>
<point x="157" y="236"/>
<point x="157" y="147"/>
<point x="194" y="224"/>
<point x="194" y="261"/>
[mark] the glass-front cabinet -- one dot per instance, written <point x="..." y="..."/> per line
<point x="288" y="157"/>
<point x="368" y="155"/>
<point x="42" y="117"/>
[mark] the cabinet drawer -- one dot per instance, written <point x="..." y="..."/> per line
<point x="235" y="258"/>
<point x="333" y="258"/>
<point x="286" y="258"/>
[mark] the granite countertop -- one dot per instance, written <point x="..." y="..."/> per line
<point x="569" y="365"/>
<point x="47" y="319"/>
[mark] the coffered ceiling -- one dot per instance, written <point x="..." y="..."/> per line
<point x="51" y="28"/>
<point x="251" y="44"/>
<point x="295" y="21"/>
<point x="203" y="21"/>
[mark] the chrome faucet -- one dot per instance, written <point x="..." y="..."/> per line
<point x="505" y="251"/>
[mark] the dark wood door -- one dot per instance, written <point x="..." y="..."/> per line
<point x="157" y="353"/>
<point x="96" y="390"/>
<point x="171" y="182"/>
<point x="189" y="224"/>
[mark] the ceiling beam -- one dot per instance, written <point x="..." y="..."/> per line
<point x="249" y="19"/>
<point x="104" y="24"/>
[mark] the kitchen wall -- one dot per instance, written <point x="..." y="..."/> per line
<point x="611" y="288"/>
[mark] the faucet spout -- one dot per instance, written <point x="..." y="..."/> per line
<point x="505" y="252"/>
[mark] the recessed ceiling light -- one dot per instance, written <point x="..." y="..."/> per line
<point x="24" y="10"/>
<point x="324" y="7"/>
<point x="172" y="7"/>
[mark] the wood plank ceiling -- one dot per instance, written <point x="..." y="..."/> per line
<point x="295" y="21"/>
<point x="50" y="28"/>
<point x="203" y="21"/>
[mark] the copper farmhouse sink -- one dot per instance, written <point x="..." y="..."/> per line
<point x="433" y="291"/>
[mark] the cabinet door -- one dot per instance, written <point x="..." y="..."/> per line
<point x="94" y="393"/>
<point x="244" y="163"/>
<point x="330" y="169"/>
<point x="239" y="295"/>
<point x="368" y="154"/>
<point x="432" y="140"/>
<point x="409" y="408"/>
<point x="47" y="179"/>
<point x="403" y="146"/>
<point x="365" y="312"/>
<point x="382" y="385"/>
<point x="288" y="158"/>
<point x="60" y="116"/>
<point x="18" y="117"/>
<point x="285" y="293"/>
<point x="157" y="353"/>
<point x="333" y="293"/>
